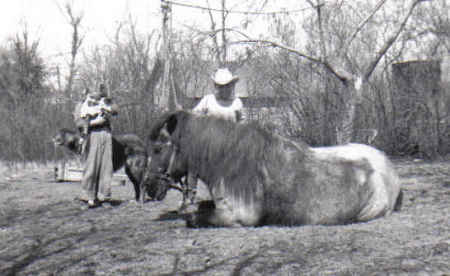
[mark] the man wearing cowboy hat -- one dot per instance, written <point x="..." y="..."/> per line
<point x="223" y="103"/>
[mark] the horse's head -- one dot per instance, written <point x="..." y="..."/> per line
<point x="156" y="185"/>
<point x="165" y="166"/>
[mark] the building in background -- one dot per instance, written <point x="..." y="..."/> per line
<point x="421" y="99"/>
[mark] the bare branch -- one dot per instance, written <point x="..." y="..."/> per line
<point x="209" y="9"/>
<point x="74" y="21"/>
<point x="364" y="22"/>
<point x="341" y="75"/>
<point x="214" y="33"/>
<point x="390" y="41"/>
<point x="224" y="36"/>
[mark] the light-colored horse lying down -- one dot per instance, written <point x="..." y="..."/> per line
<point x="257" y="178"/>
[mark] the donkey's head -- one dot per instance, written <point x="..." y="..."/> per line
<point x="68" y="139"/>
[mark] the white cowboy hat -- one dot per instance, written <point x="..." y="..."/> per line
<point x="223" y="77"/>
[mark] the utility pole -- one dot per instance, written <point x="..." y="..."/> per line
<point x="167" y="85"/>
<point x="224" y="36"/>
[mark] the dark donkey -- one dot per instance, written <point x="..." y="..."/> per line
<point x="256" y="177"/>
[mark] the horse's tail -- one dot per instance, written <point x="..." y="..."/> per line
<point x="399" y="201"/>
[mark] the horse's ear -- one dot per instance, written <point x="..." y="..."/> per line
<point x="165" y="126"/>
<point x="175" y="120"/>
<point x="171" y="123"/>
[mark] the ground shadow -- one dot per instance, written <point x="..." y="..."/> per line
<point x="171" y="215"/>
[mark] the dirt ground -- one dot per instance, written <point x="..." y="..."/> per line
<point x="43" y="231"/>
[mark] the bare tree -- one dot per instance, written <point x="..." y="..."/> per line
<point x="352" y="83"/>
<point x="77" y="40"/>
<point x="220" y="30"/>
<point x="23" y="96"/>
<point x="214" y="32"/>
<point x="21" y="71"/>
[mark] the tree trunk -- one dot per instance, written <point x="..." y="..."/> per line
<point x="344" y="129"/>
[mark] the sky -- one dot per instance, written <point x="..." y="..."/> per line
<point x="45" y="20"/>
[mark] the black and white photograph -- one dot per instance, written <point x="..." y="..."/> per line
<point x="225" y="137"/>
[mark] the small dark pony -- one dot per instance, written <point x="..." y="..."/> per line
<point x="257" y="178"/>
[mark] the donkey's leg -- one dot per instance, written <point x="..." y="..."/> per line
<point x="143" y="185"/>
<point x="132" y="178"/>
<point x="135" y="166"/>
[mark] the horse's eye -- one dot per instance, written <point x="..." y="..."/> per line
<point x="157" y="150"/>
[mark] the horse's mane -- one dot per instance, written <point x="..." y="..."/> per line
<point x="218" y="148"/>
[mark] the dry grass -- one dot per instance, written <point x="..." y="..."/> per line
<point x="44" y="232"/>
